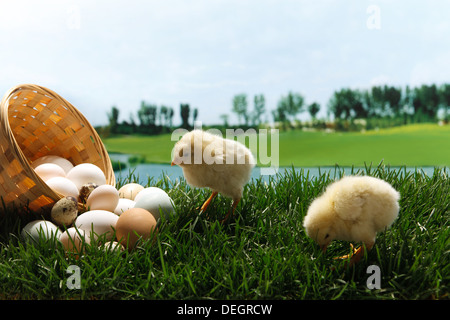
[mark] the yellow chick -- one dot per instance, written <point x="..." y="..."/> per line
<point x="354" y="208"/>
<point x="208" y="160"/>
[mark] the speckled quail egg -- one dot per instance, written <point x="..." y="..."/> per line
<point x="65" y="211"/>
<point x="86" y="190"/>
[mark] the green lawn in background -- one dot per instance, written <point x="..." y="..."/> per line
<point x="412" y="145"/>
<point x="155" y="149"/>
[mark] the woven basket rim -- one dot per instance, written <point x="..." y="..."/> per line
<point x="7" y="133"/>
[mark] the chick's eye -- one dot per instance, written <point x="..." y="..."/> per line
<point x="180" y="154"/>
<point x="326" y="236"/>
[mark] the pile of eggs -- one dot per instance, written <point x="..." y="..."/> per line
<point x="121" y="217"/>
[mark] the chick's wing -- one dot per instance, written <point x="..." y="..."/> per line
<point x="349" y="205"/>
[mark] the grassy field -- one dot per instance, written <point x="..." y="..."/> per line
<point x="263" y="253"/>
<point x="413" y="145"/>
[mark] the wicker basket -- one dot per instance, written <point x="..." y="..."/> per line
<point x="35" y="122"/>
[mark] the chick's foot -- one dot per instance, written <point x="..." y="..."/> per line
<point x="348" y="255"/>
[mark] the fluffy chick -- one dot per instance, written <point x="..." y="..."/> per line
<point x="208" y="160"/>
<point x="354" y="208"/>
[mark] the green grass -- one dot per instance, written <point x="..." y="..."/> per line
<point x="413" y="145"/>
<point x="263" y="253"/>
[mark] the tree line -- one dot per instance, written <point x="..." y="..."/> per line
<point x="151" y="119"/>
<point x="390" y="105"/>
<point x="379" y="106"/>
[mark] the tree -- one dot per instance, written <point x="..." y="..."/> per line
<point x="147" y="114"/>
<point x="113" y="117"/>
<point x="368" y="103"/>
<point x="195" y="115"/>
<point x="292" y="104"/>
<point x="313" y="109"/>
<point x="171" y="114"/>
<point x="224" y="118"/>
<point x="162" y="115"/>
<point x="379" y="102"/>
<point x="393" y="97"/>
<point x="426" y="102"/>
<point x="185" y="110"/>
<point x="347" y="104"/>
<point x="259" y="108"/>
<point x="164" y="111"/>
<point x="444" y="93"/>
<point x="279" y="115"/>
<point x="240" y="107"/>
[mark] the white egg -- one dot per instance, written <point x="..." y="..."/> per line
<point x="63" y="186"/>
<point x="149" y="191"/>
<point x="130" y="190"/>
<point x="156" y="201"/>
<point x="86" y="173"/>
<point x="65" y="164"/>
<point x="100" y="222"/>
<point x="40" y="228"/>
<point x="49" y="170"/>
<point x="124" y="205"/>
<point x="112" y="246"/>
<point x="104" y="197"/>
<point x="73" y="239"/>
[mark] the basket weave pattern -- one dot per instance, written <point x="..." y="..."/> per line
<point x="35" y="122"/>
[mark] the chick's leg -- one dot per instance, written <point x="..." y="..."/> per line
<point x="231" y="212"/>
<point x="207" y="202"/>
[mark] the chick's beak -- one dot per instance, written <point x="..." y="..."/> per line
<point x="173" y="164"/>
<point x="324" y="248"/>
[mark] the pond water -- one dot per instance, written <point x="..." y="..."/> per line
<point x="155" y="171"/>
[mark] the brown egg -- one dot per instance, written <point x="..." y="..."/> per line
<point x="104" y="197"/>
<point x="134" y="224"/>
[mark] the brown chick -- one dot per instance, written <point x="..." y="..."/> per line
<point x="208" y="160"/>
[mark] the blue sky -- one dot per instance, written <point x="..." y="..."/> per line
<point x="102" y="53"/>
